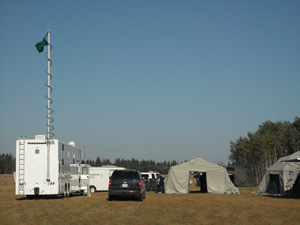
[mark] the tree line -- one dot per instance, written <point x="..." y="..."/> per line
<point x="141" y="165"/>
<point x="259" y="150"/>
<point x="7" y="163"/>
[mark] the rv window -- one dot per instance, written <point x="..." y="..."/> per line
<point x="37" y="151"/>
<point x="62" y="162"/>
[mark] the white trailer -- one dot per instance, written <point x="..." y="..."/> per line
<point x="99" y="177"/>
<point x="80" y="177"/>
<point x="45" y="171"/>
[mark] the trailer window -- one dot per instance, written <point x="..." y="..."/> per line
<point x="37" y="151"/>
<point x="62" y="162"/>
<point x="63" y="147"/>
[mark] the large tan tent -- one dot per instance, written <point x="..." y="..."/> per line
<point x="217" y="178"/>
<point x="282" y="176"/>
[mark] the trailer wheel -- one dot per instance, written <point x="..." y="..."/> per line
<point x="92" y="189"/>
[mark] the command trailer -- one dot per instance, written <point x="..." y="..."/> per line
<point x="99" y="177"/>
<point x="43" y="168"/>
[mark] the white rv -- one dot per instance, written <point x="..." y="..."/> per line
<point x="44" y="169"/>
<point x="99" y="177"/>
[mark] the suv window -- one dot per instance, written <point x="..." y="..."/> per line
<point x="125" y="174"/>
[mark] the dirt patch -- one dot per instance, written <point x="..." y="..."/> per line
<point x="7" y="179"/>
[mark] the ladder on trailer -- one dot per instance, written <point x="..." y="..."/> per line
<point x="21" y="166"/>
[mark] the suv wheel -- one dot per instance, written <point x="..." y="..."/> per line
<point x="110" y="198"/>
<point x="141" y="198"/>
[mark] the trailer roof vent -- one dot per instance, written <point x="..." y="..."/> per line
<point x="72" y="143"/>
<point x="40" y="137"/>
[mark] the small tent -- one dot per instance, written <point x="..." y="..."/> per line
<point x="241" y="177"/>
<point x="281" y="177"/>
<point x="217" y="179"/>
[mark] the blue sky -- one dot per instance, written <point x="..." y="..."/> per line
<point x="162" y="80"/>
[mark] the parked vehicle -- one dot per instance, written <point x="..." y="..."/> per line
<point x="99" y="177"/>
<point x="80" y="177"/>
<point x="43" y="168"/>
<point x="126" y="183"/>
<point x="150" y="180"/>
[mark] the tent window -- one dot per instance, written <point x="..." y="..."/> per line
<point x="274" y="184"/>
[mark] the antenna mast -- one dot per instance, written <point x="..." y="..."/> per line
<point x="49" y="110"/>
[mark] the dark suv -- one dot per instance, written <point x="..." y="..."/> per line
<point x="126" y="183"/>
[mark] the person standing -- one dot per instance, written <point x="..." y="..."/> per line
<point x="160" y="184"/>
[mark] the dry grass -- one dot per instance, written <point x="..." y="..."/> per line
<point x="7" y="179"/>
<point x="197" y="208"/>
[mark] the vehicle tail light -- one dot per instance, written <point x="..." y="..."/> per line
<point x="140" y="184"/>
<point x="109" y="186"/>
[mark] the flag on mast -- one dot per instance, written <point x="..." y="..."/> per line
<point x="40" y="46"/>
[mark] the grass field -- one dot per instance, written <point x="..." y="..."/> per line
<point x="195" y="208"/>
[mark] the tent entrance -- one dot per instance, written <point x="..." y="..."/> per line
<point x="198" y="183"/>
<point x="274" y="184"/>
<point x="296" y="188"/>
<point x="232" y="178"/>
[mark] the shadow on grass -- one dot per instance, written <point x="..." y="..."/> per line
<point x="123" y="199"/>
<point x="282" y="197"/>
<point x="47" y="197"/>
<point x="197" y="192"/>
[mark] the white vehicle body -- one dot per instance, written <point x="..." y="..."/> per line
<point x="150" y="175"/>
<point x="99" y="177"/>
<point x="80" y="177"/>
<point x="39" y="172"/>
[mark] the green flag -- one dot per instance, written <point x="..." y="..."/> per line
<point x="40" y="46"/>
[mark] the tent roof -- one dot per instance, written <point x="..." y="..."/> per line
<point x="284" y="163"/>
<point x="291" y="160"/>
<point x="197" y="165"/>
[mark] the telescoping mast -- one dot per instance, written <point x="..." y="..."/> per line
<point x="43" y="164"/>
